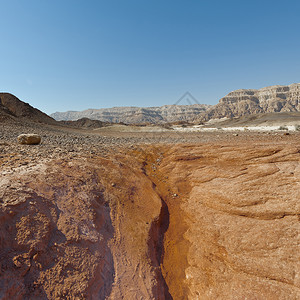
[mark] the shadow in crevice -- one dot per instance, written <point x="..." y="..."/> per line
<point x="156" y="250"/>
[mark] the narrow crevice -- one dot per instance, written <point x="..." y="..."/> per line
<point x="158" y="229"/>
<point x="156" y="250"/>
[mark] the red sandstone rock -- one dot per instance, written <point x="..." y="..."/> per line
<point x="232" y="231"/>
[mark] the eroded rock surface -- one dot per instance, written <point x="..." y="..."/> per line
<point x="242" y="213"/>
<point x="212" y="220"/>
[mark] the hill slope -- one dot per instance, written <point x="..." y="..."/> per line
<point x="14" y="109"/>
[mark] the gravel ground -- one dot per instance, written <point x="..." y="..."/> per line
<point x="66" y="142"/>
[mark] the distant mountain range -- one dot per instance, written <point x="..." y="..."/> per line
<point x="135" y="115"/>
<point x="238" y="103"/>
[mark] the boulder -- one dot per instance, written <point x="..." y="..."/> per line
<point x="29" y="139"/>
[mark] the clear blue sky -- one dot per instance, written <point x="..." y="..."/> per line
<point x="73" y="55"/>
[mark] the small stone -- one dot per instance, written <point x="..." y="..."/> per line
<point x="113" y="184"/>
<point x="29" y="139"/>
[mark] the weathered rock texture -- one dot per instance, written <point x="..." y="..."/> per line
<point x="266" y="100"/>
<point x="29" y="139"/>
<point x="241" y="209"/>
<point x="131" y="115"/>
<point x="213" y="220"/>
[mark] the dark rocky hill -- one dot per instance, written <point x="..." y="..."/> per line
<point x="84" y="123"/>
<point x="13" y="109"/>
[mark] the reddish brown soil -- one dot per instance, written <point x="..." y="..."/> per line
<point x="212" y="220"/>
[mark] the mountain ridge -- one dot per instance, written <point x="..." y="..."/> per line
<point x="242" y="102"/>
<point x="133" y="114"/>
<point x="238" y="103"/>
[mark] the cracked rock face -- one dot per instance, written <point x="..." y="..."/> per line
<point x="213" y="220"/>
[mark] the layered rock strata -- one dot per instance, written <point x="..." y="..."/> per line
<point x="133" y="115"/>
<point x="266" y="100"/>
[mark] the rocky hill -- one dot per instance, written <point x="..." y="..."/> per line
<point x="13" y="109"/>
<point x="244" y="102"/>
<point x="131" y="115"/>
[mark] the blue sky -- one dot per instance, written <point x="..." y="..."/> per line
<point x="73" y="55"/>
